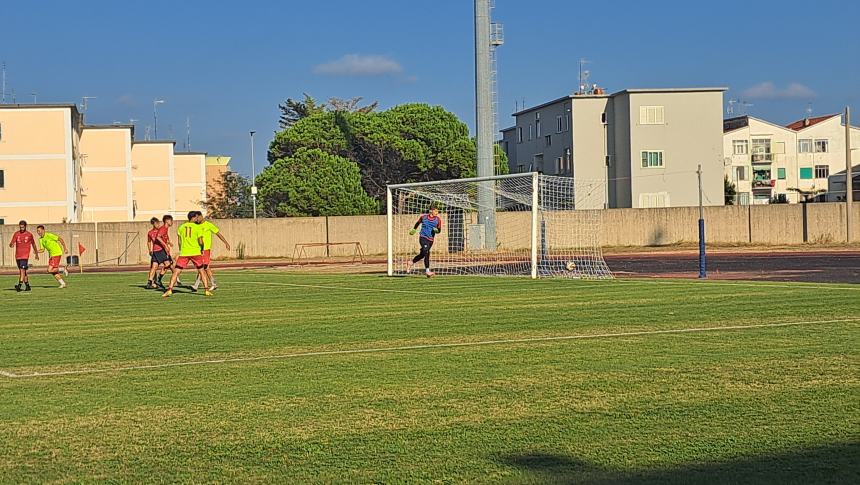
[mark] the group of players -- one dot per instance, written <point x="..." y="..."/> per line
<point x="23" y="241"/>
<point x="195" y="246"/>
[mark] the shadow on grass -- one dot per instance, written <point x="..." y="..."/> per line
<point x="834" y="464"/>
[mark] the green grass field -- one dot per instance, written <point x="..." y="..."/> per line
<point x="134" y="391"/>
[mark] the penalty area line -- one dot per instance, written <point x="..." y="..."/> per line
<point x="403" y="348"/>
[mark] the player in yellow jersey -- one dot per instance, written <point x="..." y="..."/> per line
<point x="208" y="230"/>
<point x="55" y="246"/>
<point x="190" y="249"/>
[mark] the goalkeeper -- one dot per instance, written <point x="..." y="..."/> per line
<point x="430" y="224"/>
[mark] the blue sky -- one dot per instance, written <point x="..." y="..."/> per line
<point x="227" y="65"/>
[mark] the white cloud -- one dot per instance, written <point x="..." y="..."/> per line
<point x="359" y="65"/>
<point x="769" y="90"/>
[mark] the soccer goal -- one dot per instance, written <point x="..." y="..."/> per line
<point x="524" y="224"/>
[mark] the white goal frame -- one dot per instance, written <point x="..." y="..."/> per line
<point x="539" y="211"/>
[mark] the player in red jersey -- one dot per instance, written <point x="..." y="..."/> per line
<point x="164" y="236"/>
<point x="23" y="241"/>
<point x="159" y="257"/>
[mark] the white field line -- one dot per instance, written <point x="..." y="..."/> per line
<point x="447" y="345"/>
<point x="625" y="281"/>
<point x="335" y="287"/>
<point x="716" y="283"/>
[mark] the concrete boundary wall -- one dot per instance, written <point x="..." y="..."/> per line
<point x="120" y="243"/>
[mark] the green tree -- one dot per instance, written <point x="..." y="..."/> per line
<point x="230" y="198"/>
<point x="313" y="182"/>
<point x="407" y="143"/>
<point x="292" y="110"/>
<point x="729" y="190"/>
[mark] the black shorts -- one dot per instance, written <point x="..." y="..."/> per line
<point x="425" y="243"/>
<point x="160" y="257"/>
<point x="23" y="263"/>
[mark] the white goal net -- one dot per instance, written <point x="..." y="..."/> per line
<point x="509" y="225"/>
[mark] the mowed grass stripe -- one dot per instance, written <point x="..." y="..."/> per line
<point x="308" y="318"/>
<point x="606" y="412"/>
<point x="407" y="347"/>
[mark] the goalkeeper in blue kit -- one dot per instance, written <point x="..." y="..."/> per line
<point x="430" y="224"/>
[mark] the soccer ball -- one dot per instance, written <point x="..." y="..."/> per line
<point x="570" y="266"/>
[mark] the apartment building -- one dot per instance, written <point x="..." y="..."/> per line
<point x="216" y="166"/>
<point x="56" y="168"/>
<point x="106" y="184"/>
<point x="40" y="163"/>
<point x="641" y="146"/>
<point x="770" y="163"/>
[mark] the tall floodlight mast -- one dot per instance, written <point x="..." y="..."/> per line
<point x="484" y="121"/>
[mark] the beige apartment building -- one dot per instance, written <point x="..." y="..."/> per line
<point x="639" y="147"/>
<point x="55" y="168"/>
<point x="40" y="163"/>
<point x="770" y="163"/>
<point x="106" y="185"/>
<point x="216" y="166"/>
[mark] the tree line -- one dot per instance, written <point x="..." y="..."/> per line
<point x="336" y="158"/>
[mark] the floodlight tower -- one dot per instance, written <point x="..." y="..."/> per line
<point x="155" y="104"/>
<point x="484" y="120"/>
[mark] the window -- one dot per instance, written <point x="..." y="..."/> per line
<point x="559" y="165"/>
<point x="559" y="124"/>
<point x="804" y="146"/>
<point x="741" y="174"/>
<point x="2" y="221"/>
<point x="537" y="127"/>
<point x="651" y="115"/>
<point x="521" y="168"/>
<point x="603" y="118"/>
<point x="567" y="122"/>
<point x="822" y="171"/>
<point x="652" y="159"/>
<point x="821" y="146"/>
<point x="1" y="131"/>
<point x="531" y="132"/>
<point x="519" y="134"/>
<point x="657" y="199"/>
<point x="740" y="147"/>
<point x="538" y="162"/>
<point x="2" y="179"/>
<point x="780" y="173"/>
<point x="806" y="173"/>
<point x="761" y="151"/>
<point x="548" y="140"/>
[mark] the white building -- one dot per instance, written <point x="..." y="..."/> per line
<point x="642" y="146"/>
<point x="769" y="163"/>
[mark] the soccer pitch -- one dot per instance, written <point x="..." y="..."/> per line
<point x="292" y="377"/>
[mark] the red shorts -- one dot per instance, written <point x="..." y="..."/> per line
<point x="54" y="261"/>
<point x="207" y="256"/>
<point x="182" y="261"/>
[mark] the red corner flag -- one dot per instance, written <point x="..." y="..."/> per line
<point x="81" y="249"/>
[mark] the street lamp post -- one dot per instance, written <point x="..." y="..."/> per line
<point x="155" y="104"/>
<point x="253" y="178"/>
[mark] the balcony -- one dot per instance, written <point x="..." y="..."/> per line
<point x="762" y="157"/>
<point x="762" y="184"/>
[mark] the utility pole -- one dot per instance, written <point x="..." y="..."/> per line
<point x="702" y="264"/>
<point x="155" y="104"/>
<point x="253" y="178"/>
<point x="484" y="123"/>
<point x="849" y="190"/>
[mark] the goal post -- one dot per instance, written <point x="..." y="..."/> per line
<point x="545" y="226"/>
